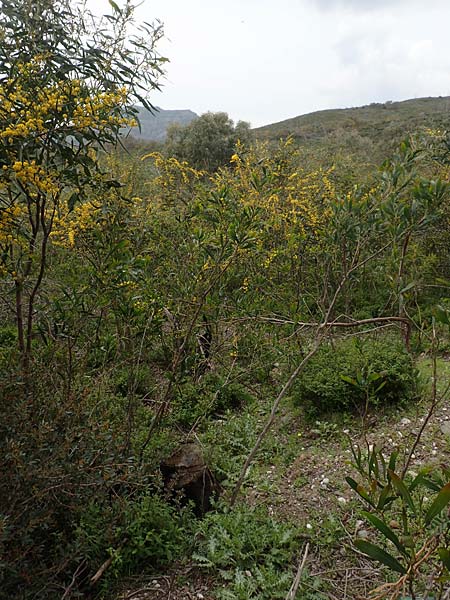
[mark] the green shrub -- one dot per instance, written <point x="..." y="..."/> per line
<point x="251" y="551"/>
<point x="345" y="375"/>
<point x="137" y="533"/>
<point x="210" y="396"/>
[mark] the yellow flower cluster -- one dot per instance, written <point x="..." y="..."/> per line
<point x="9" y="217"/>
<point x="99" y="110"/>
<point x="173" y="176"/>
<point x="68" y="225"/>
<point x="27" y="111"/>
<point x="29" y="173"/>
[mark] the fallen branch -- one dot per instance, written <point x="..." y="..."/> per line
<point x="101" y="571"/>
<point x="105" y="566"/>
<point x="294" y="587"/>
<point x="79" y="570"/>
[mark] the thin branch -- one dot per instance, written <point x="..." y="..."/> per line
<point x="294" y="587"/>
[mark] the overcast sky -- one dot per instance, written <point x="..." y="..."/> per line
<point x="264" y="61"/>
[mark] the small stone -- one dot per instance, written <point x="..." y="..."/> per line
<point x="363" y="533"/>
<point x="200" y="596"/>
<point x="445" y="427"/>
<point x="342" y="500"/>
<point x="405" y="421"/>
<point x="308" y="526"/>
<point x="394" y="524"/>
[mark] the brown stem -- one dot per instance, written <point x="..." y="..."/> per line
<point x="180" y="351"/>
<point x="19" y="316"/>
<point x="434" y="403"/>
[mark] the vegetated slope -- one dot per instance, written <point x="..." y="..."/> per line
<point x="366" y="129"/>
<point x="154" y="126"/>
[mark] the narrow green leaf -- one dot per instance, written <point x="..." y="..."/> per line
<point x="359" y="489"/>
<point x="402" y="490"/>
<point x="380" y="555"/>
<point x="373" y="463"/>
<point x="385" y="530"/>
<point x="115" y="6"/>
<point x="350" y="380"/>
<point x="392" y="461"/>
<point x="384" y="496"/>
<point x="440" y="502"/>
<point x="420" y="479"/>
<point x="408" y="287"/>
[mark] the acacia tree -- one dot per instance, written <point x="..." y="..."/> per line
<point x="208" y="142"/>
<point x="69" y="82"/>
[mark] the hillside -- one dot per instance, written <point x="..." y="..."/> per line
<point x="369" y="128"/>
<point x="154" y="126"/>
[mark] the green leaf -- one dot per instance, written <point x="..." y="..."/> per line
<point x="441" y="315"/>
<point x="385" y="497"/>
<point x="408" y="287"/>
<point x="421" y="479"/>
<point x="444" y="555"/>
<point x="380" y="555"/>
<point x="74" y="198"/>
<point x="385" y="530"/>
<point x="359" y="489"/>
<point x="348" y="379"/>
<point x="115" y="7"/>
<point x="440" y="502"/>
<point x="392" y="461"/>
<point x="373" y="463"/>
<point x="402" y="489"/>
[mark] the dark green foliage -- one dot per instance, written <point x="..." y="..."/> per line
<point x="208" y="142"/>
<point x="210" y="396"/>
<point x="323" y="385"/>
<point x="141" y="532"/>
<point x="250" y="550"/>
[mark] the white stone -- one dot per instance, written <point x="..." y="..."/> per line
<point x="363" y="534"/>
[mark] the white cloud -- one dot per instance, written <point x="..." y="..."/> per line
<point x="263" y="61"/>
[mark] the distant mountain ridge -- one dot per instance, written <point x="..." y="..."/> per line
<point x="154" y="126"/>
<point x="364" y="129"/>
